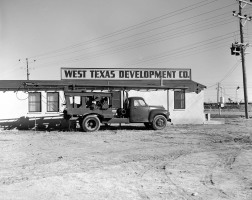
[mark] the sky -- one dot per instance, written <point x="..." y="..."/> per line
<point x="195" y="34"/>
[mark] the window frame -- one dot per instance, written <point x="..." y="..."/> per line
<point x="30" y="103"/>
<point x="48" y="103"/>
<point x="180" y="103"/>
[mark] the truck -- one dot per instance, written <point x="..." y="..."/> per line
<point x="91" y="109"/>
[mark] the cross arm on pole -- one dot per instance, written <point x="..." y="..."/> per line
<point x="245" y="3"/>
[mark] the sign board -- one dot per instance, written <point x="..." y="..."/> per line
<point x="124" y="74"/>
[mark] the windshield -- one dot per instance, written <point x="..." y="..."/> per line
<point x="139" y="102"/>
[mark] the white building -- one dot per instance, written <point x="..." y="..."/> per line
<point x="181" y="96"/>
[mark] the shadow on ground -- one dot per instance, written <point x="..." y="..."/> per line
<point x="40" y="123"/>
<point x="57" y="123"/>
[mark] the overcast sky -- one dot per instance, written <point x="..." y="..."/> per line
<point x="194" y="34"/>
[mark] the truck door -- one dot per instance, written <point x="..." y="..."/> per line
<point x="139" y="111"/>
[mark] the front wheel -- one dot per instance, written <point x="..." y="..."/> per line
<point x="159" y="122"/>
<point x="91" y="123"/>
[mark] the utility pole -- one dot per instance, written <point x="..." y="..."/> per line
<point x="243" y="64"/>
<point x="243" y="46"/>
<point x="27" y="69"/>
<point x="218" y="93"/>
<point x="218" y="98"/>
<point x="236" y="97"/>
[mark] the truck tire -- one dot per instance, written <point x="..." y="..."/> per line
<point x="159" y="122"/>
<point x="91" y="123"/>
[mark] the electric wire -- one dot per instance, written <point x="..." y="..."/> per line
<point x="188" y="48"/>
<point x="121" y="48"/>
<point x="182" y="52"/>
<point x="231" y="71"/>
<point x="77" y="59"/>
<point x="149" y="36"/>
<point x="156" y="28"/>
<point x="130" y="28"/>
<point x="179" y="56"/>
<point x="178" y="52"/>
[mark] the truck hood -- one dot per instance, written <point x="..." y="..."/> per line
<point x="157" y="107"/>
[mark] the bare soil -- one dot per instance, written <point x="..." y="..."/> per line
<point x="207" y="162"/>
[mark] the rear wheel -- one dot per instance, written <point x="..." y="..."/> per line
<point x="159" y="122"/>
<point x="91" y="123"/>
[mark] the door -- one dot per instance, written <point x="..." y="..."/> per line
<point x="139" y="111"/>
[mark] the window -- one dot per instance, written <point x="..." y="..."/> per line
<point x="34" y="102"/>
<point x="75" y="101"/>
<point x="139" y="102"/>
<point x="52" y="102"/>
<point x="179" y="99"/>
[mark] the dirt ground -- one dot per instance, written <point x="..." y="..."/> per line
<point x="207" y="162"/>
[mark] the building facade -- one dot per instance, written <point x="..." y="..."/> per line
<point x="171" y="88"/>
<point x="184" y="107"/>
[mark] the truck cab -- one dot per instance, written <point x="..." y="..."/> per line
<point x="92" y="109"/>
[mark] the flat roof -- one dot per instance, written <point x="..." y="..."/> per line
<point x="44" y="85"/>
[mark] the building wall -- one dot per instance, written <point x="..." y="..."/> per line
<point x="15" y="105"/>
<point x="157" y="98"/>
<point x="193" y="112"/>
<point x="194" y="105"/>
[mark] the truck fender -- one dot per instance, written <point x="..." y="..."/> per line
<point x="153" y="113"/>
<point x="100" y="117"/>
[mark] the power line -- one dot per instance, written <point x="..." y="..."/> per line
<point x="231" y="71"/>
<point x="184" y="49"/>
<point x="153" y="35"/>
<point x="77" y="59"/>
<point x="183" y="55"/>
<point x="12" y="68"/>
<point x="178" y="51"/>
<point x="133" y="27"/>
<point x="122" y="47"/>
<point x="149" y="36"/>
